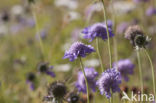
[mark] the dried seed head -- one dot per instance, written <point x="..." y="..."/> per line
<point x="5" y="16"/>
<point x="136" y="36"/>
<point x="31" y="76"/>
<point x="57" y="90"/>
<point x="42" y="67"/>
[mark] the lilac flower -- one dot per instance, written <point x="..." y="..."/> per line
<point x="43" y="34"/>
<point x="91" y="74"/>
<point x="97" y="30"/>
<point x="78" y="49"/>
<point x="44" y="68"/>
<point x="125" y="67"/>
<point x="109" y="81"/>
<point x="151" y="11"/>
<point x="139" y="1"/>
<point x="30" y="80"/>
<point x="109" y="23"/>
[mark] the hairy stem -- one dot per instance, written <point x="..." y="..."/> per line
<point x="38" y="33"/>
<point x="140" y="70"/>
<point x="105" y="19"/>
<point x="152" y="68"/>
<point x="82" y="68"/>
<point x="99" y="55"/>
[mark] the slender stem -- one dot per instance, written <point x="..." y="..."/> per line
<point x="114" y="26"/>
<point x="105" y="19"/>
<point x="99" y="55"/>
<point x="115" y="49"/>
<point x="140" y="70"/>
<point x="152" y="68"/>
<point x="112" y="98"/>
<point x="82" y="68"/>
<point x="38" y="33"/>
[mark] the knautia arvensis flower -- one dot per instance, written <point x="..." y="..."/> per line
<point x="78" y="49"/>
<point x="125" y="67"/>
<point x="91" y="75"/>
<point x="97" y="30"/>
<point x="109" y="82"/>
<point x="136" y="36"/>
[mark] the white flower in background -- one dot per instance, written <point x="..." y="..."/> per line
<point x="92" y="63"/>
<point x="3" y="29"/>
<point x="66" y="45"/>
<point x="17" y="10"/>
<point x="96" y="7"/>
<point x="71" y="4"/>
<point x="70" y="16"/>
<point x="62" y="67"/>
<point x="151" y="29"/>
<point x="122" y="7"/>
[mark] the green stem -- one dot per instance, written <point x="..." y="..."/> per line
<point x="99" y="55"/>
<point x="105" y="19"/>
<point x="140" y="70"/>
<point x="82" y="68"/>
<point x="152" y="68"/>
<point x="38" y="33"/>
<point x="114" y="39"/>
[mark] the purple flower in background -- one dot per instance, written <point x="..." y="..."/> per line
<point x="30" y="80"/>
<point x="91" y="74"/>
<point x="75" y="34"/>
<point x="139" y="1"/>
<point x="97" y="30"/>
<point x="121" y="28"/>
<point x="43" y="34"/>
<point x="125" y="67"/>
<point x="78" y="49"/>
<point x="151" y="11"/>
<point x="109" y="23"/>
<point x="44" y="68"/>
<point x="109" y="81"/>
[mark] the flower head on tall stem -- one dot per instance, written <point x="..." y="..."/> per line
<point x="97" y="30"/>
<point x="125" y="67"/>
<point x="78" y="49"/>
<point x="109" y="82"/>
<point x="91" y="75"/>
<point x="136" y="36"/>
<point x="43" y="67"/>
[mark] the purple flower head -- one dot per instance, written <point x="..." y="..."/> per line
<point x="78" y="49"/>
<point x="43" y="34"/>
<point x="109" y="81"/>
<point x="91" y="74"/>
<point x="151" y="11"/>
<point x="109" y="23"/>
<point x="125" y="67"/>
<point x="31" y="80"/>
<point x="140" y="1"/>
<point x="97" y="30"/>
<point x="43" y="67"/>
